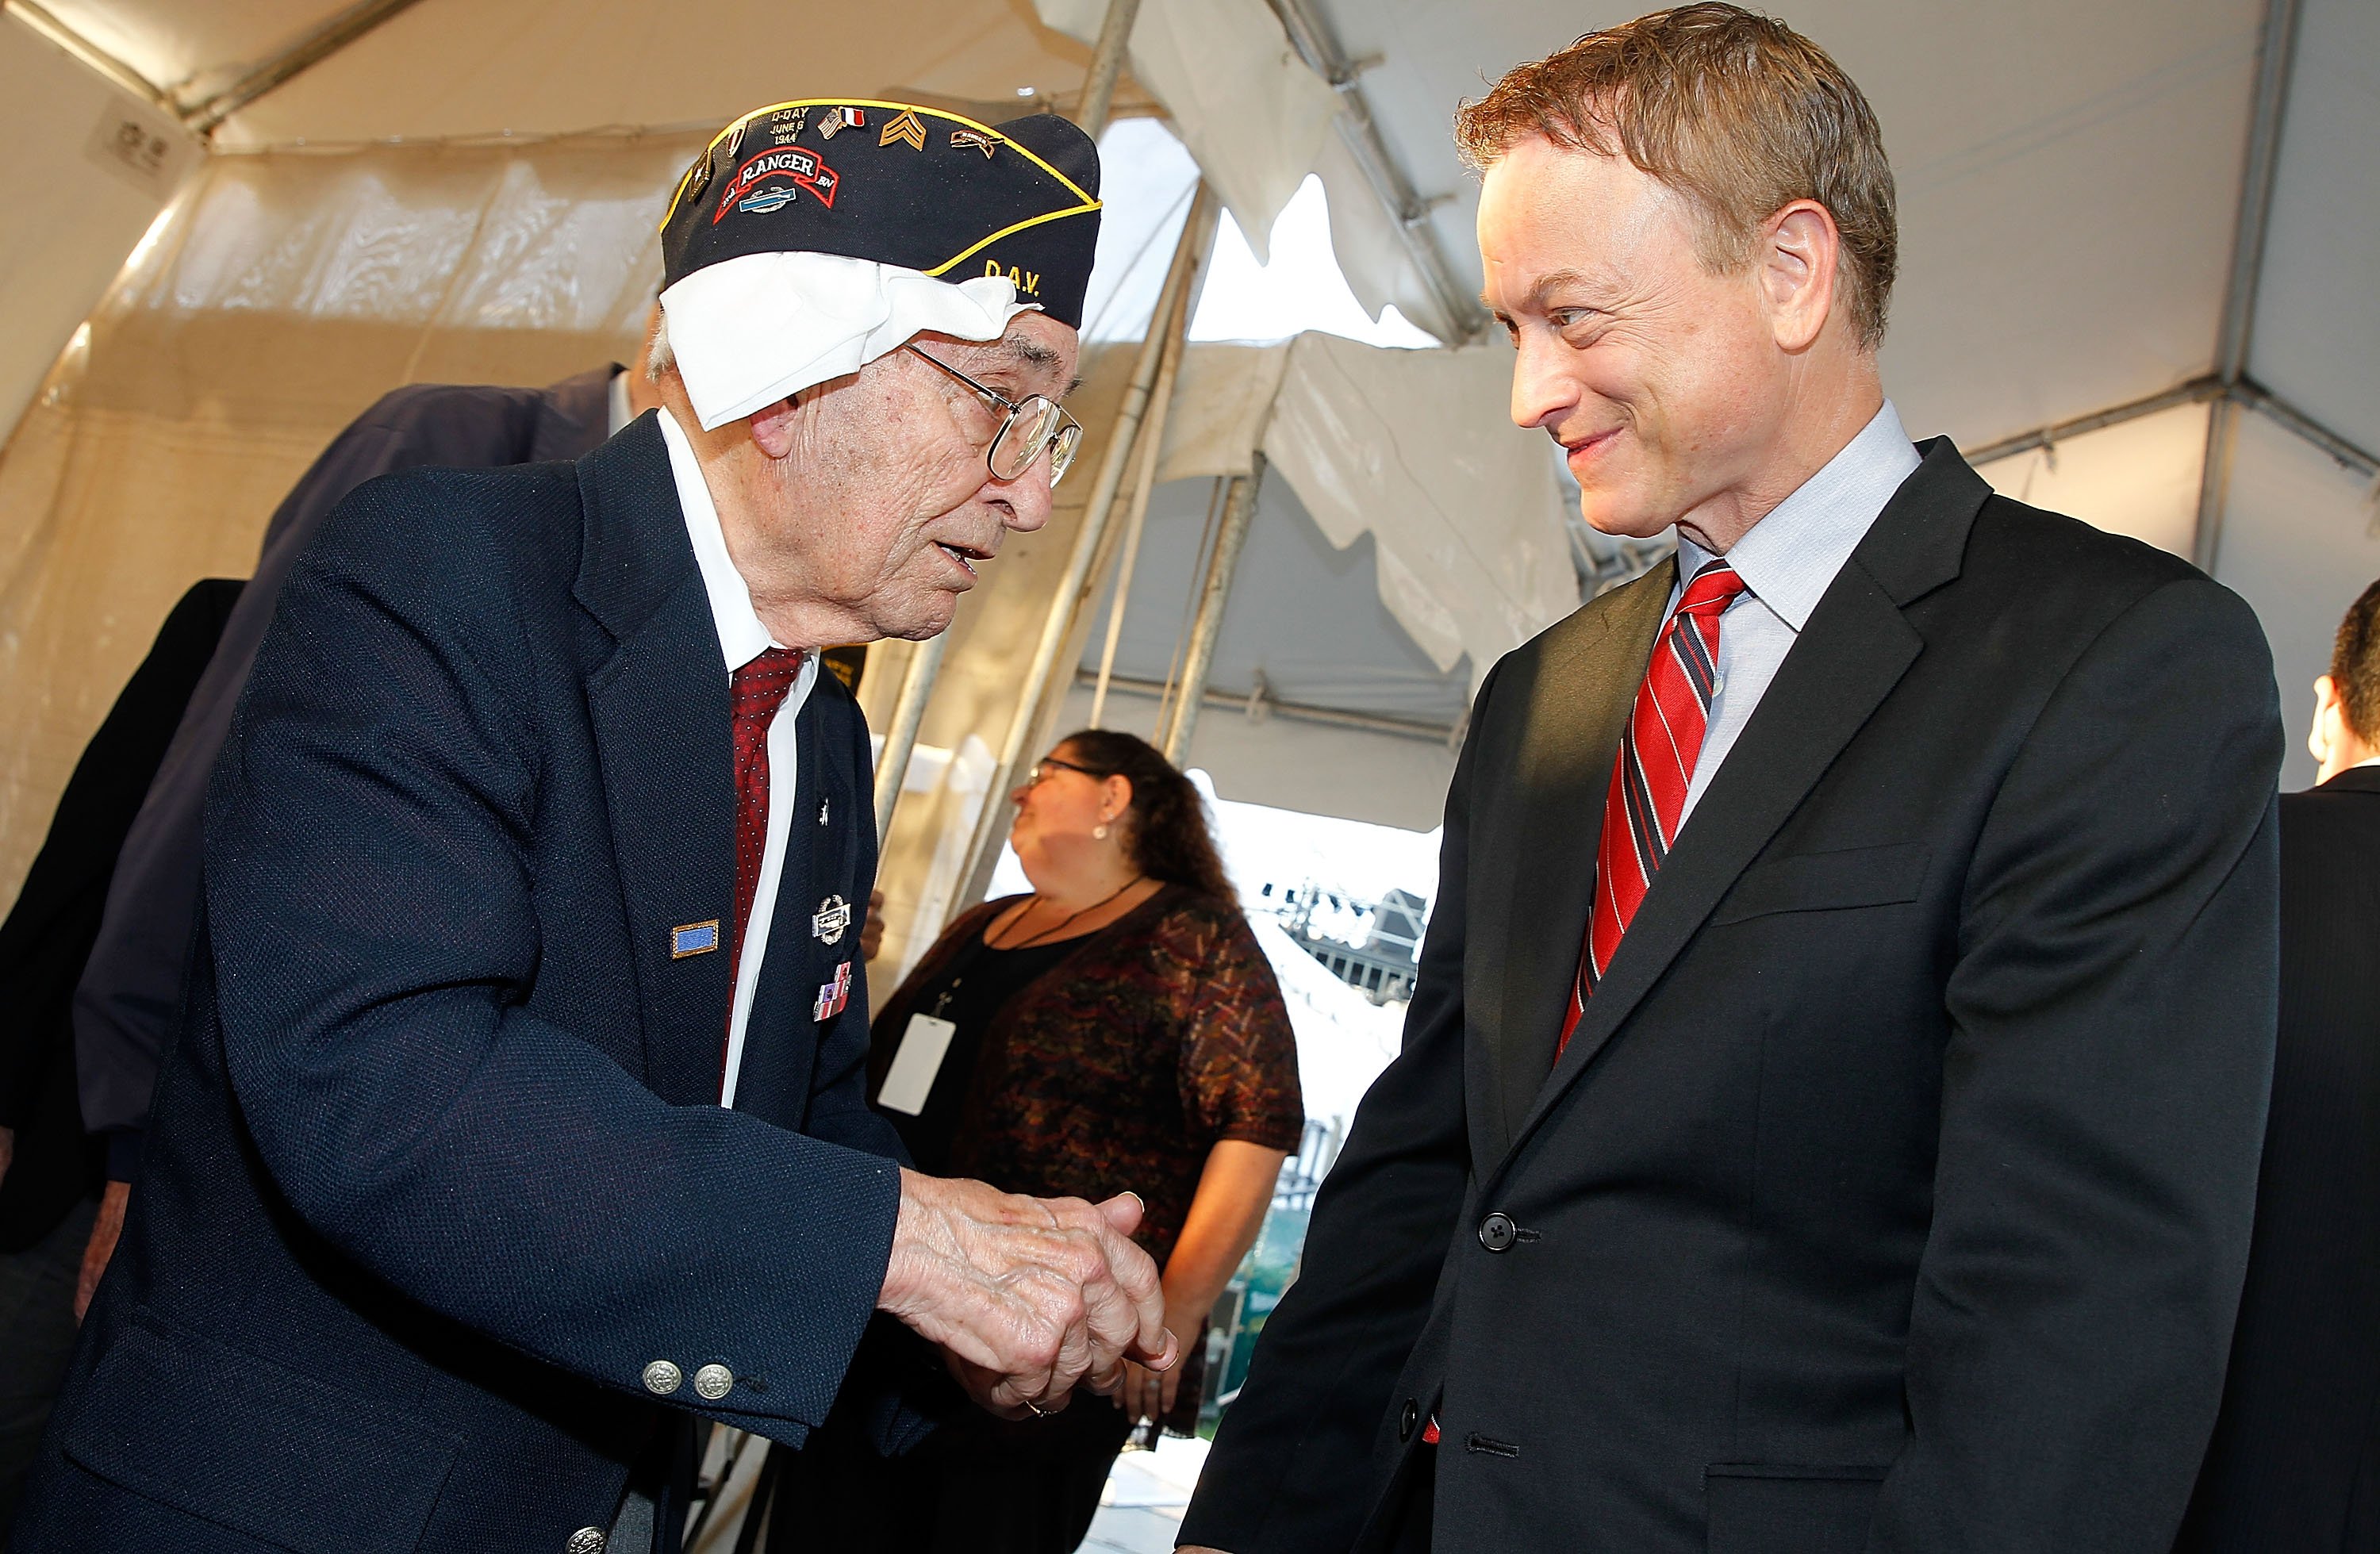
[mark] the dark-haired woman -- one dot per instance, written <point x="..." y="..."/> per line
<point x="1116" y="1030"/>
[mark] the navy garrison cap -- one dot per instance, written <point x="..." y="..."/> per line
<point x="899" y="184"/>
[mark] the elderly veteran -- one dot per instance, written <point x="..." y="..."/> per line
<point x="516" y="1112"/>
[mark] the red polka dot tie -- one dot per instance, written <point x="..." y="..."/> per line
<point x="1647" y="801"/>
<point x="754" y="695"/>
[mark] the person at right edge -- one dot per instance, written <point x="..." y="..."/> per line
<point x="1829" y="1116"/>
<point x="2295" y="1463"/>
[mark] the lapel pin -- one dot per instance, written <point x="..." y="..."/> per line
<point x="822" y="804"/>
<point x="832" y="996"/>
<point x="905" y="126"/>
<point x="694" y="938"/>
<point x="834" y="916"/>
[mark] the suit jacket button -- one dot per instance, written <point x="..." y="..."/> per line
<point x="586" y="1540"/>
<point x="1407" y="1420"/>
<point x="661" y="1378"/>
<point x="713" y="1382"/>
<point x="1497" y="1233"/>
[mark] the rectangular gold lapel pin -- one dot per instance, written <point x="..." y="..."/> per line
<point x="694" y="938"/>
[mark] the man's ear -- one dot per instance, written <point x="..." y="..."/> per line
<point x="772" y="429"/>
<point x="1799" y="248"/>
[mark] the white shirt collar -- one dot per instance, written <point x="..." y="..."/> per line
<point x="742" y="637"/>
<point x="1790" y="557"/>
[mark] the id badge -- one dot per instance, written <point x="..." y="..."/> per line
<point x="911" y="1079"/>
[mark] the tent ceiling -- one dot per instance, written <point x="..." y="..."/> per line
<point x="2069" y="176"/>
<point x="463" y="67"/>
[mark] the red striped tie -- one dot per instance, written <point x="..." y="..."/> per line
<point x="754" y="694"/>
<point x="1656" y="765"/>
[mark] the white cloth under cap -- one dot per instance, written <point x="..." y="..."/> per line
<point x="749" y="330"/>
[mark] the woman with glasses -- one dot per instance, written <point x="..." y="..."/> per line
<point x="1116" y="1030"/>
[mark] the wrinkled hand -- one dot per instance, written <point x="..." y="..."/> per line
<point x="1030" y="1296"/>
<point x="1148" y="1393"/>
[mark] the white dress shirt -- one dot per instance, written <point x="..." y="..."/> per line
<point x="742" y="638"/>
<point x="1787" y="561"/>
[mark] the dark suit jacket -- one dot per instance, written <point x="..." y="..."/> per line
<point x="132" y="991"/>
<point x="2295" y="1463"/>
<point x="436" y="1168"/>
<point x="1894" y="1191"/>
<point x="49" y="931"/>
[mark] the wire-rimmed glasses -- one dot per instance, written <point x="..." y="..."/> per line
<point x="1033" y="425"/>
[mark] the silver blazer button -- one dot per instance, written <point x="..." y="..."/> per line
<point x="713" y="1382"/>
<point x="661" y="1378"/>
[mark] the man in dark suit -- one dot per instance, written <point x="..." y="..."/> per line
<point x="132" y="982"/>
<point x="1828" y="1113"/>
<point x="50" y="1170"/>
<point x="516" y="1114"/>
<point x="2295" y="1463"/>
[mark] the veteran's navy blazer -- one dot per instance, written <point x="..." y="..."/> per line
<point x="436" y="1170"/>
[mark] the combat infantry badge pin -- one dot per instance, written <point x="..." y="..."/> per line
<point x="834" y="916"/>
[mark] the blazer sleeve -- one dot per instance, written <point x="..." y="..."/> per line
<point x="1289" y="1466"/>
<point x="376" y="800"/>
<point x="131" y="994"/>
<point x="2112" y="1007"/>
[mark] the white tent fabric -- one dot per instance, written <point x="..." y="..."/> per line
<point x="1415" y="449"/>
<point x="89" y="170"/>
<point x="1251" y="113"/>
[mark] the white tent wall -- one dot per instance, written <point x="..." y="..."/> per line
<point x="286" y="294"/>
<point x="88" y="170"/>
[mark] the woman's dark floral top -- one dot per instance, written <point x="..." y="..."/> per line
<point x="1119" y="1069"/>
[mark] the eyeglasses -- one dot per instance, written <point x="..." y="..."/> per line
<point x="1033" y="425"/>
<point x="1047" y="766"/>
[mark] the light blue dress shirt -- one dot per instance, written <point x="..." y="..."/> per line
<point x="1787" y="561"/>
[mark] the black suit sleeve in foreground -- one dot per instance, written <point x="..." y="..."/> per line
<point x="132" y="991"/>
<point x="49" y="932"/>
<point x="2112" y="1001"/>
<point x="1290" y="1468"/>
<point x="376" y="804"/>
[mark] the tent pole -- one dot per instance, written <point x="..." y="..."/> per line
<point x="2272" y="58"/>
<point x="1152" y="448"/>
<point x="1075" y="586"/>
<point x="926" y="663"/>
<point x="301" y="56"/>
<point x="901" y="734"/>
<point x="1214" y="594"/>
<point x="1107" y="63"/>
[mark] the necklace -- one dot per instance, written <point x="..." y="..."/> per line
<point x="1051" y="932"/>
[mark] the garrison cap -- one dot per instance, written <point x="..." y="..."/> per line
<point x="899" y="184"/>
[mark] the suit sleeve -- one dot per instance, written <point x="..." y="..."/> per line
<point x="2112" y="1008"/>
<point x="1288" y="1464"/>
<point x="131" y="994"/>
<point x="375" y="803"/>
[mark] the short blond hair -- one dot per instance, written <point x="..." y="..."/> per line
<point x="1737" y="112"/>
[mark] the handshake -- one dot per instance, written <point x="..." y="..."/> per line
<point x="1028" y="1297"/>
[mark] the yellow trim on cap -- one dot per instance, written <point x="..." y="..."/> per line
<point x="974" y="249"/>
<point x="1072" y="187"/>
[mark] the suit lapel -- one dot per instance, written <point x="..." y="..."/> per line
<point x="659" y="707"/>
<point x="1576" y="706"/>
<point x="1854" y="649"/>
<point x="781" y="1040"/>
